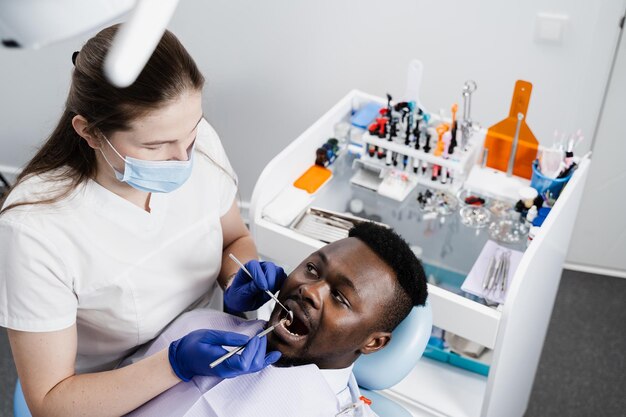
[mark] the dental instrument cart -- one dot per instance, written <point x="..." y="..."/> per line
<point x="515" y="330"/>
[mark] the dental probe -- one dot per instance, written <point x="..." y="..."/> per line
<point x="268" y="292"/>
<point x="240" y="348"/>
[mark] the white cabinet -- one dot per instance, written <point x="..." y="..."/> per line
<point x="515" y="331"/>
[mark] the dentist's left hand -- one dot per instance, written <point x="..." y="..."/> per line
<point x="248" y="294"/>
<point x="191" y="355"/>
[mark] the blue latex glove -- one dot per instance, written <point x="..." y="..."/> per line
<point x="245" y="294"/>
<point x="192" y="354"/>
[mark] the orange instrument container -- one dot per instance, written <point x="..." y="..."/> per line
<point x="499" y="138"/>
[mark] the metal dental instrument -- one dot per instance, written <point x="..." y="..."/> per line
<point x="505" y="272"/>
<point x="268" y="292"/>
<point x="466" y="125"/>
<point x="240" y="348"/>
<point x="490" y="269"/>
<point x="494" y="277"/>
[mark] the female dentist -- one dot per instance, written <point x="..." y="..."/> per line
<point x="122" y="221"/>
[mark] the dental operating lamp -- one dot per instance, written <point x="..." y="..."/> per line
<point x="32" y="24"/>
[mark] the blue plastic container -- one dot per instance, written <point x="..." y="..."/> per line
<point x="544" y="184"/>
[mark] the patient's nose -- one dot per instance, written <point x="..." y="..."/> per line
<point x="313" y="293"/>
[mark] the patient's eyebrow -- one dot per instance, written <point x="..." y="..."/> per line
<point x="322" y="256"/>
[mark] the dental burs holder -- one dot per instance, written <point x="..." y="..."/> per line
<point x="509" y="170"/>
<point x="268" y="292"/>
<point x="420" y="163"/>
<point x="240" y="348"/>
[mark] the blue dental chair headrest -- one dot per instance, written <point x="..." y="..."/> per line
<point x="387" y="367"/>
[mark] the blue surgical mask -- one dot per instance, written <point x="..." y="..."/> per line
<point x="153" y="176"/>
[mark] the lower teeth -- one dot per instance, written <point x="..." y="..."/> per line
<point x="292" y="333"/>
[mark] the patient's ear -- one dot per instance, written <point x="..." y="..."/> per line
<point x="376" y="342"/>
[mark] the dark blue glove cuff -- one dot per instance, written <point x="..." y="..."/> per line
<point x="172" y="357"/>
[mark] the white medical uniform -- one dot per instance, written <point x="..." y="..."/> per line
<point x="117" y="271"/>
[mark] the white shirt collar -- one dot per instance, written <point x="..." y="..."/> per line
<point x="337" y="378"/>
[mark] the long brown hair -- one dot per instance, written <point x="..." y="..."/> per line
<point x="66" y="157"/>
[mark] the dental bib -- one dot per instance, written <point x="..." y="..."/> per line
<point x="300" y="391"/>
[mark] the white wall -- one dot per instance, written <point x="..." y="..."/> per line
<point x="274" y="66"/>
<point x="599" y="240"/>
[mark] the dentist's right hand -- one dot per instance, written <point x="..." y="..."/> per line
<point x="191" y="355"/>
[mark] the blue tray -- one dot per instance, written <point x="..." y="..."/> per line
<point x="452" y="282"/>
<point x="444" y="355"/>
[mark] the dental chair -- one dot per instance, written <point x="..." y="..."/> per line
<point x="20" y="409"/>
<point x="384" y="369"/>
<point x="376" y="371"/>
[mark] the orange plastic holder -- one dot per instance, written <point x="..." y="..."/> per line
<point x="313" y="178"/>
<point x="499" y="139"/>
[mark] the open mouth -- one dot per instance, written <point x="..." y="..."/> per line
<point x="296" y="330"/>
<point x="296" y="327"/>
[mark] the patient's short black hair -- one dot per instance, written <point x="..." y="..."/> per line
<point x="395" y="252"/>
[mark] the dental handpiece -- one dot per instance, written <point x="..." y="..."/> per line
<point x="240" y="348"/>
<point x="268" y="292"/>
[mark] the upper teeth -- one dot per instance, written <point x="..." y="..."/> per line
<point x="295" y="334"/>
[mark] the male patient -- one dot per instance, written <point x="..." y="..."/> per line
<point x="346" y="299"/>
